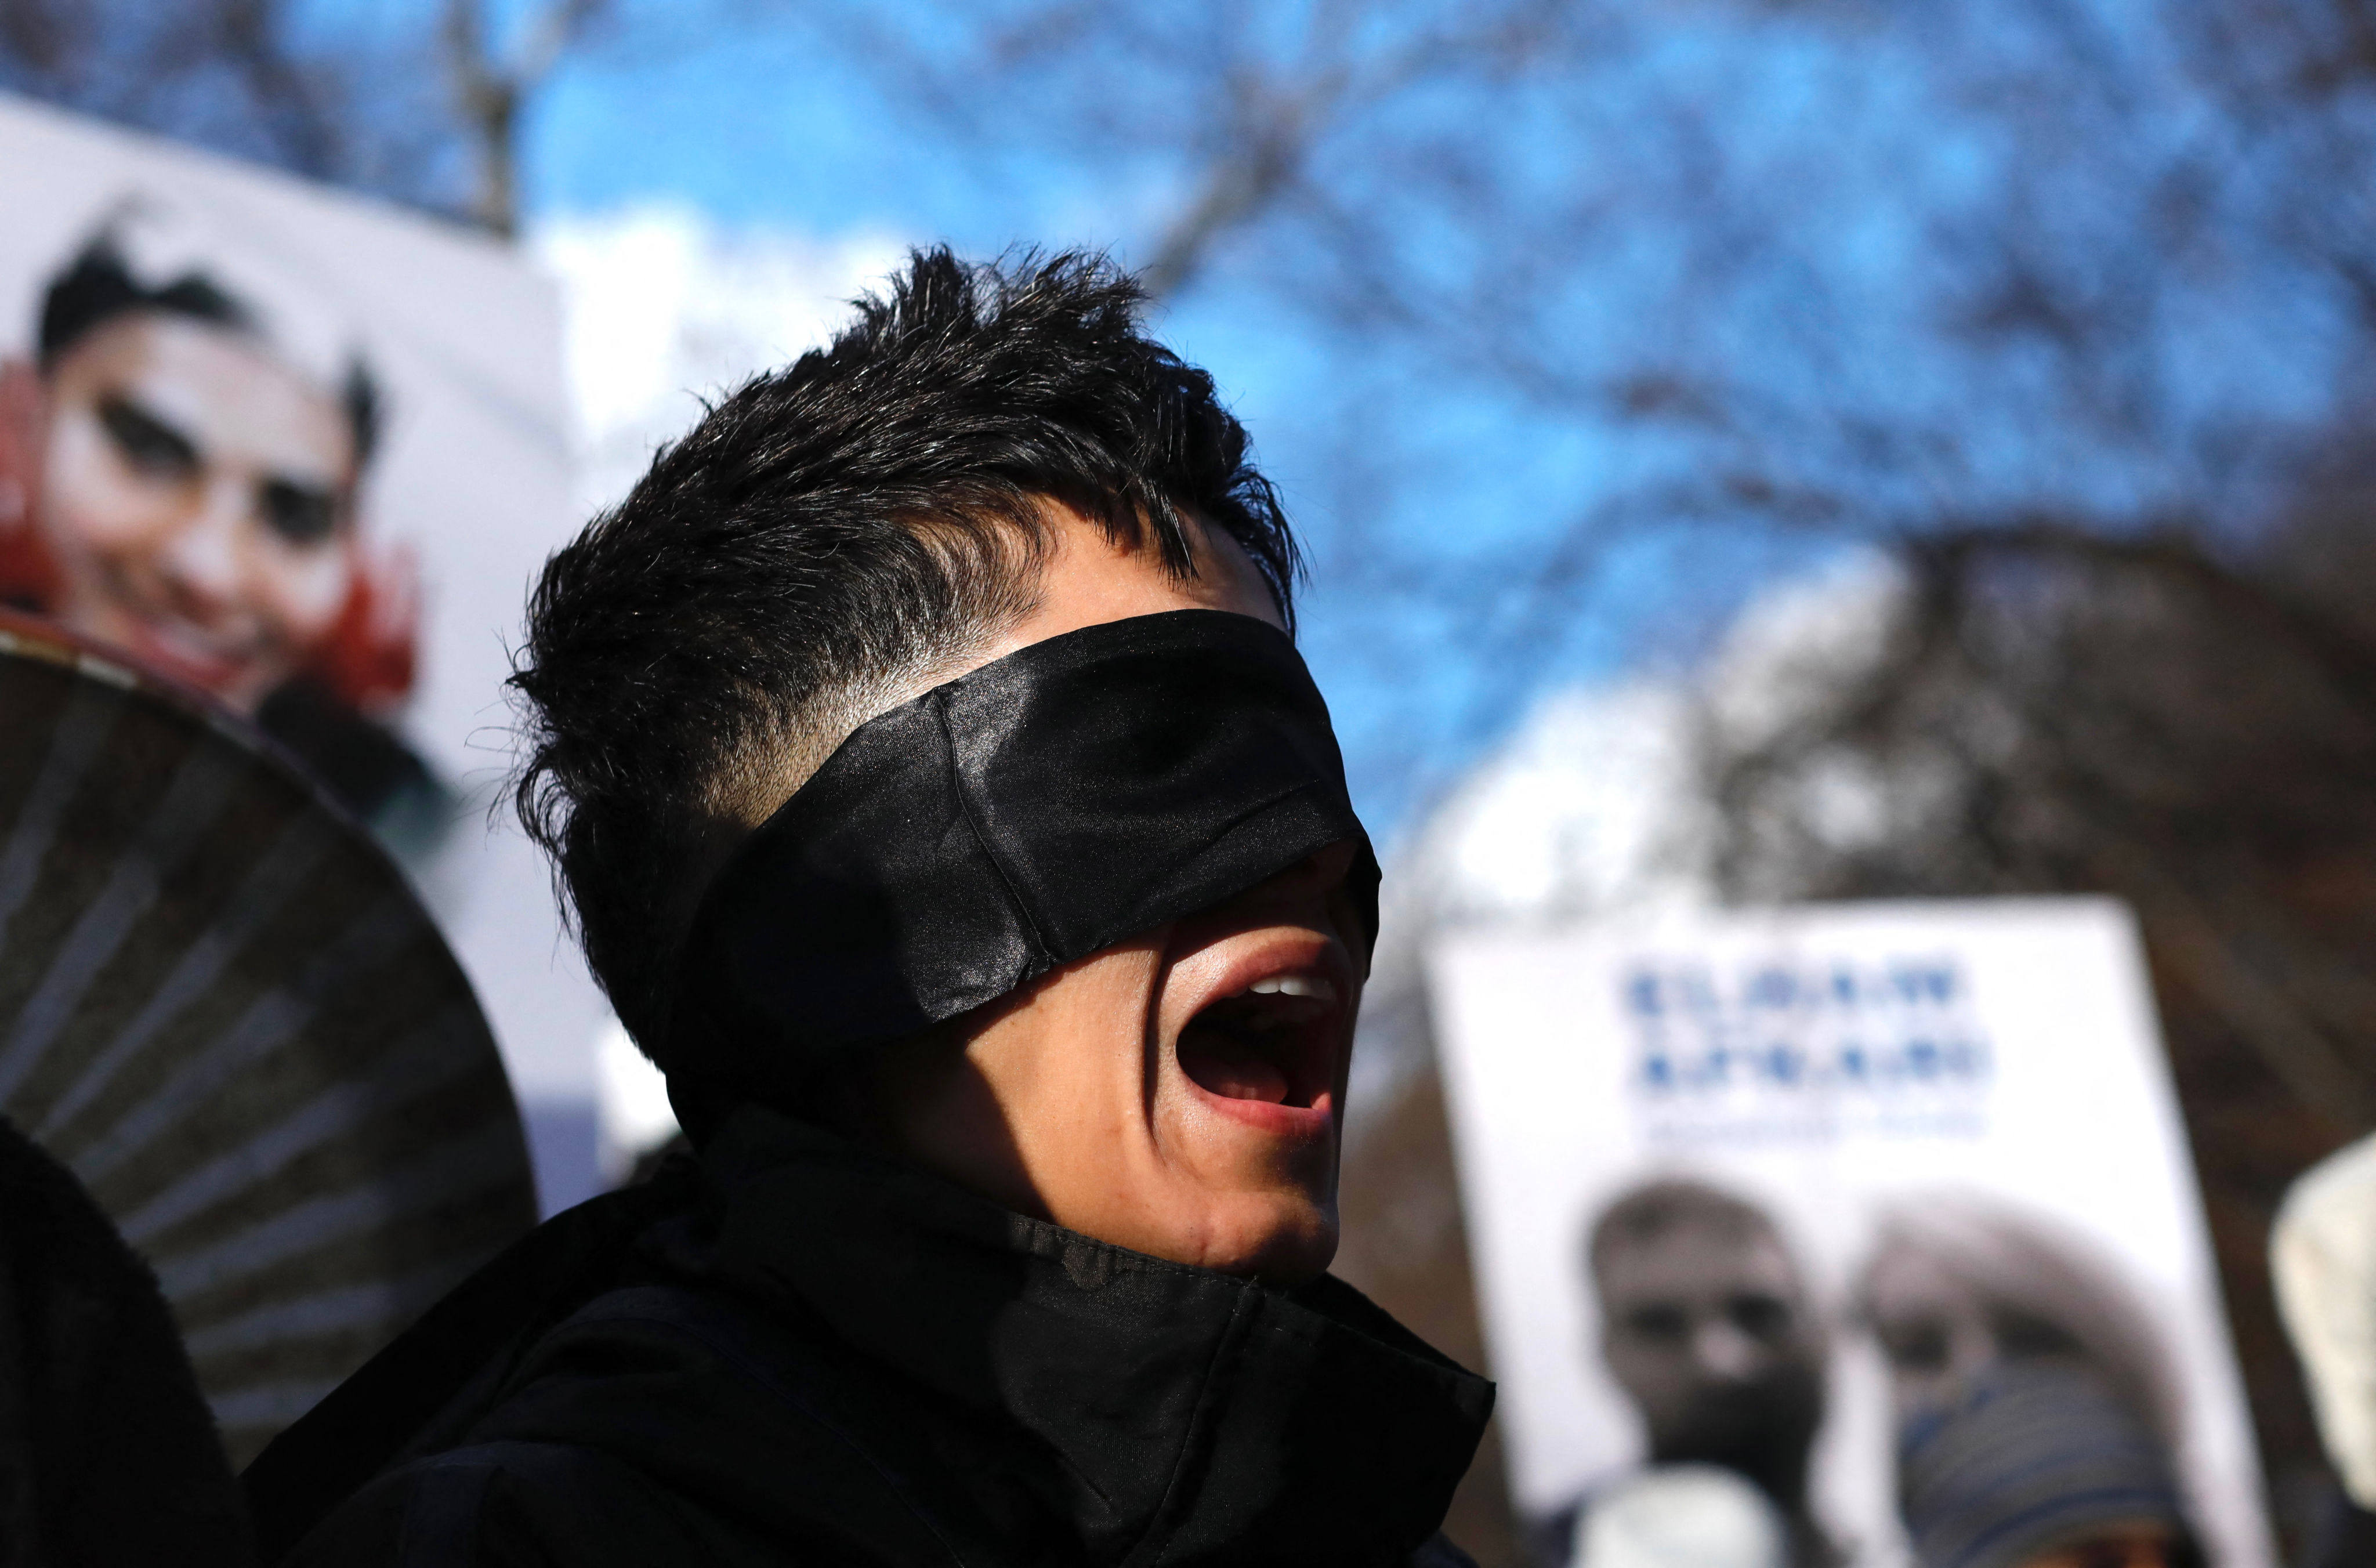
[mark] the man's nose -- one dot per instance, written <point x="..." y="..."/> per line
<point x="1305" y="892"/>
<point x="1318" y="873"/>
<point x="202" y="559"/>
<point x="1723" y="1351"/>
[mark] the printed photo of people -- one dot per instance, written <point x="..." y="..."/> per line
<point x="301" y="453"/>
<point x="2032" y="1405"/>
<point x="2036" y="1411"/>
<point x="1707" y="1325"/>
<point x="180" y="470"/>
<point x="1842" y="1237"/>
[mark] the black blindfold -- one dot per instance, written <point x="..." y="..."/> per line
<point x="1053" y="802"/>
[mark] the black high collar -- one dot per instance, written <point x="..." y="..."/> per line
<point x="1178" y="1416"/>
<point x="1052" y="1398"/>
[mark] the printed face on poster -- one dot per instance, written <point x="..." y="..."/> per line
<point x="1883" y="1210"/>
<point x="304" y="452"/>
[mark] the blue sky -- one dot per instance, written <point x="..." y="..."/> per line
<point x="758" y="132"/>
<point x="1793" y="213"/>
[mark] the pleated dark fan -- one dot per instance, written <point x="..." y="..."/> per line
<point x="222" y="1007"/>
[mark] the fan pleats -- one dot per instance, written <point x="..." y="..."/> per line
<point x="223" y="1006"/>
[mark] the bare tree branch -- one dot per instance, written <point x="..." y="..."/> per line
<point x="250" y="33"/>
<point x="489" y="91"/>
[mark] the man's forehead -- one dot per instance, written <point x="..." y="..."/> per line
<point x="1085" y="575"/>
<point x="1694" y="1255"/>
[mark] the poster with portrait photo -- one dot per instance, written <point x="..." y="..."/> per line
<point x="1854" y="1233"/>
<point x="304" y="452"/>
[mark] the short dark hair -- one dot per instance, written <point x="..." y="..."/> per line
<point x="824" y="533"/>
<point x="1656" y="1208"/>
<point x="98" y="286"/>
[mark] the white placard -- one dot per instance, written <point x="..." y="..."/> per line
<point x="1829" y="1065"/>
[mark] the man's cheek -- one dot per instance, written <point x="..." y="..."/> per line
<point x="302" y="592"/>
<point x="96" y="502"/>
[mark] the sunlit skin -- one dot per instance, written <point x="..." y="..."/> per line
<point x="1097" y="1098"/>
<point x="196" y="496"/>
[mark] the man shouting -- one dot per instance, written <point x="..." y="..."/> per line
<point x="946" y="809"/>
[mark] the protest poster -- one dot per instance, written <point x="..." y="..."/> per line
<point x="1778" y="1191"/>
<point x="305" y="452"/>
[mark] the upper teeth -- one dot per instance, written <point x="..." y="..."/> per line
<point x="1295" y="985"/>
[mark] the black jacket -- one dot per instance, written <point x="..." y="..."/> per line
<point x="108" y="1455"/>
<point x="818" y="1355"/>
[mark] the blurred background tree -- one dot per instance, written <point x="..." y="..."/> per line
<point x="2040" y="709"/>
<point x="418" y="103"/>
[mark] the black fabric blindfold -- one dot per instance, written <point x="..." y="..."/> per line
<point x="1076" y="792"/>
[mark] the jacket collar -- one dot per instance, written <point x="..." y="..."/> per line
<point x="1183" y="1416"/>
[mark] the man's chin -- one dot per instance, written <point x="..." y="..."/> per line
<point x="1267" y="1184"/>
<point x="1765" y="1440"/>
<point x="236" y="680"/>
<point x="1280" y="1238"/>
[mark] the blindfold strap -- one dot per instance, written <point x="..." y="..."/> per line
<point x="1079" y="791"/>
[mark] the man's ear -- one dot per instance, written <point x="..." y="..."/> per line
<point x="24" y="421"/>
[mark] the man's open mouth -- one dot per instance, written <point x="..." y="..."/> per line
<point x="1274" y="1041"/>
